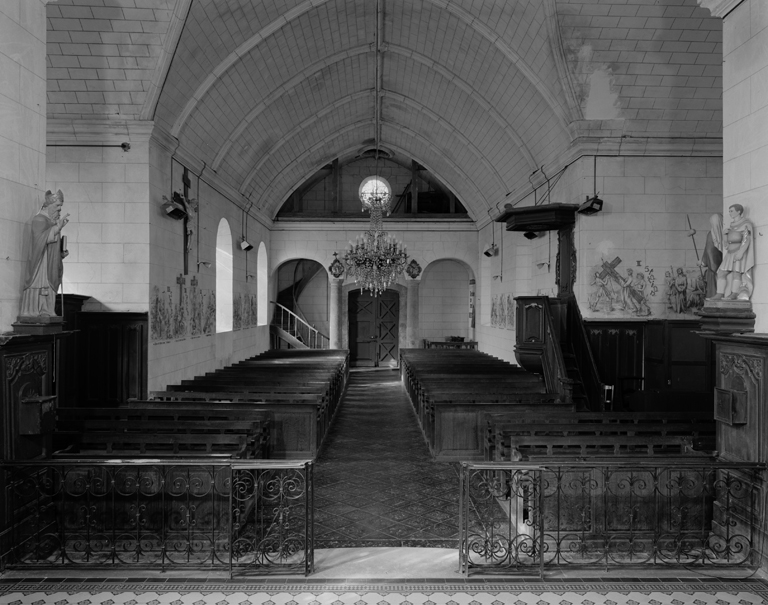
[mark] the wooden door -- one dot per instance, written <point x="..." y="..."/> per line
<point x="373" y="328"/>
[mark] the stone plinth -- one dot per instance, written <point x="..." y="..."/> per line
<point x="38" y="325"/>
<point x="726" y="316"/>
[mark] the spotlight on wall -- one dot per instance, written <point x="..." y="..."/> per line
<point x="530" y="235"/>
<point x="593" y="205"/>
<point x="175" y="207"/>
<point x="490" y="250"/>
<point x="204" y="263"/>
<point x="244" y="245"/>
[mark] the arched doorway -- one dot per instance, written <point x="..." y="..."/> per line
<point x="373" y="328"/>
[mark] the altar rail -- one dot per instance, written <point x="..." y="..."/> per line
<point x="528" y="519"/>
<point x="244" y="517"/>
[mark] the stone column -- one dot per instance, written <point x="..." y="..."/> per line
<point x="334" y="312"/>
<point x="745" y="138"/>
<point x="22" y="139"/>
<point x="412" y="317"/>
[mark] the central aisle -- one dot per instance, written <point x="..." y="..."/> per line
<point x="376" y="484"/>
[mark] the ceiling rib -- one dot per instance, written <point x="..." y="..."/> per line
<point x="287" y="86"/>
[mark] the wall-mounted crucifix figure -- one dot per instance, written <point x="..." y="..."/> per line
<point x="190" y="220"/>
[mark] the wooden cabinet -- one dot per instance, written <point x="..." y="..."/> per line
<point x="112" y="358"/>
<point x="653" y="365"/>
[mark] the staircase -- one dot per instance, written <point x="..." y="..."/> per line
<point x="552" y="341"/>
<point x="290" y="331"/>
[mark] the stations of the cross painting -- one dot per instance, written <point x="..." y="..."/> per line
<point x="610" y="269"/>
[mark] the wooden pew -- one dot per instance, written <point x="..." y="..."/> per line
<point x="253" y="423"/>
<point x="296" y="421"/>
<point x="300" y="389"/>
<point x="100" y="444"/>
<point x="533" y="431"/>
<point x="451" y="392"/>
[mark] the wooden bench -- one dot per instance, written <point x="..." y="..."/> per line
<point x="99" y="444"/>
<point x="253" y="423"/>
<point x="297" y="423"/>
<point x="300" y="389"/>
<point x="503" y="431"/>
<point x="452" y="391"/>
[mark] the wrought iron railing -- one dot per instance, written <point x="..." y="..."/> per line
<point x="529" y="519"/>
<point x="287" y="320"/>
<point x="244" y="517"/>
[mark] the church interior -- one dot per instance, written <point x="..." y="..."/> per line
<point x="476" y="282"/>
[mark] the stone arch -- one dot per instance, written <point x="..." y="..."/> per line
<point x="444" y="300"/>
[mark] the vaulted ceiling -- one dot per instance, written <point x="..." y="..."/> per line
<point x="481" y="92"/>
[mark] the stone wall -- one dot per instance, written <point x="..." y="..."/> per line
<point x="22" y="141"/>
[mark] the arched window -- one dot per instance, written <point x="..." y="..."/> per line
<point x="262" y="283"/>
<point x="223" y="277"/>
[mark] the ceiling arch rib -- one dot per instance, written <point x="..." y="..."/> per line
<point x="305" y="74"/>
<point x="237" y="55"/>
<point x="290" y="176"/>
<point x="301" y="127"/>
<point x="512" y="56"/>
<point x="302" y="9"/>
<point x="317" y="146"/>
<point x="465" y="143"/>
<point x="471" y="93"/>
<point x="453" y="131"/>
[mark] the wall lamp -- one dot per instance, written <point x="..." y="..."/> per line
<point x="593" y="205"/>
<point x="244" y="245"/>
<point x="176" y="207"/>
<point x="204" y="263"/>
<point x="530" y="235"/>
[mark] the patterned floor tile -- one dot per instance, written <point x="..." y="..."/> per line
<point x="375" y="479"/>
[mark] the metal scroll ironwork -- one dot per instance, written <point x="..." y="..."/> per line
<point x="245" y="517"/>
<point x="526" y="519"/>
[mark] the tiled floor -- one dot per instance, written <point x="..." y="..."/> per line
<point x="375" y="482"/>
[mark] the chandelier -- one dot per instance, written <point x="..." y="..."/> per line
<point x="375" y="259"/>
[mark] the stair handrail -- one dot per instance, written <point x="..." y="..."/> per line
<point x="555" y="373"/>
<point x="537" y="346"/>
<point x="579" y="339"/>
<point x="299" y="328"/>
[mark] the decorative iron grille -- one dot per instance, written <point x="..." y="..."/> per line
<point x="531" y="518"/>
<point x="240" y="516"/>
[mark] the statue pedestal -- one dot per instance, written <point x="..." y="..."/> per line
<point x="725" y="316"/>
<point x="38" y="325"/>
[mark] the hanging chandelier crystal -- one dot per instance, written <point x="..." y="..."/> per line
<point x="375" y="259"/>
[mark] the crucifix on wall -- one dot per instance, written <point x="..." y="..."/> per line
<point x="190" y="219"/>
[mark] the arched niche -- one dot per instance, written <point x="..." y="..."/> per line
<point x="444" y="299"/>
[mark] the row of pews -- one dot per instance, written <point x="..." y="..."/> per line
<point x="276" y="405"/>
<point x="472" y="406"/>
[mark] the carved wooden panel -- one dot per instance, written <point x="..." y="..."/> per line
<point x="740" y="371"/>
<point x="27" y="371"/>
